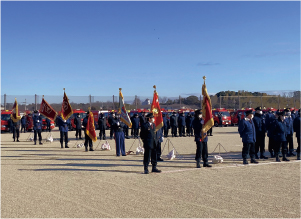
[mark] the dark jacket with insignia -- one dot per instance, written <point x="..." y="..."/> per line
<point x="247" y="131"/>
<point x="148" y="135"/>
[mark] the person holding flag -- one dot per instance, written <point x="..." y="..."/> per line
<point x="89" y="129"/>
<point x="15" y="117"/>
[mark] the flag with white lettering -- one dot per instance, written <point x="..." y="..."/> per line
<point x="47" y="110"/>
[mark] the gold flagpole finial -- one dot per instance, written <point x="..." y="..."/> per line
<point x="43" y="96"/>
<point x="15" y="98"/>
<point x="204" y="79"/>
<point x="64" y="89"/>
<point x="119" y="89"/>
<point x="154" y="87"/>
<point x="89" y="108"/>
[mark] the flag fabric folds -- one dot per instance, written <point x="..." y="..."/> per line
<point x="15" y="116"/>
<point x="47" y="110"/>
<point x="206" y="110"/>
<point x="155" y="109"/>
<point x="90" y="129"/>
<point x="66" y="111"/>
<point x="124" y="117"/>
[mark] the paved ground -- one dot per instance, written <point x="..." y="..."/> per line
<point x="49" y="182"/>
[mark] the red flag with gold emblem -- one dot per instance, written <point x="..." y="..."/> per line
<point x="66" y="108"/>
<point x="155" y="109"/>
<point x="47" y="110"/>
<point x="15" y="116"/>
<point x="206" y="109"/>
<point x="90" y="129"/>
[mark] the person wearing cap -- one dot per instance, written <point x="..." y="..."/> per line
<point x="174" y="124"/>
<point x="182" y="124"/>
<point x="289" y="132"/>
<point x="88" y="140"/>
<point x="63" y="127"/>
<point x="23" y="123"/>
<point x="148" y="137"/>
<point x="280" y="132"/>
<point x="188" y="121"/>
<point x="78" y="126"/>
<point x="220" y="119"/>
<point x="135" y="125"/>
<point x="297" y="125"/>
<point x="247" y="132"/>
<point x="165" y="125"/>
<point x="118" y="128"/>
<point x="201" y="144"/>
<point x="111" y="121"/>
<point x="260" y="133"/>
<point x="37" y="127"/>
<point x="102" y="126"/>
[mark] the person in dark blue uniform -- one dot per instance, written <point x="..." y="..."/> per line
<point x="270" y="123"/>
<point x="297" y="125"/>
<point x="37" y="127"/>
<point x="10" y="125"/>
<point x="16" y="130"/>
<point x="88" y="140"/>
<point x="23" y="123"/>
<point x="201" y="144"/>
<point x="280" y="131"/>
<point x="238" y="117"/>
<point x="220" y="119"/>
<point x="247" y="132"/>
<point x="48" y="125"/>
<point x="126" y="131"/>
<point x="102" y="125"/>
<point x="293" y="114"/>
<point x="132" y="121"/>
<point x="135" y="125"/>
<point x="148" y="137"/>
<point x="63" y="127"/>
<point x="182" y="124"/>
<point x="78" y="126"/>
<point x="159" y="140"/>
<point x="174" y="124"/>
<point x="289" y="132"/>
<point x="165" y="125"/>
<point x="111" y="121"/>
<point x="188" y="122"/>
<point x="142" y="118"/>
<point x="118" y="128"/>
<point x="260" y="133"/>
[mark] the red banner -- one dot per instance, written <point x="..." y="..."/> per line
<point x="66" y="111"/>
<point x="47" y="110"/>
<point x="15" y="116"/>
<point x="206" y="110"/>
<point x="155" y="109"/>
<point x="90" y="129"/>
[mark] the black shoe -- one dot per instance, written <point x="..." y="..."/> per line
<point x="256" y="156"/>
<point x="198" y="165"/>
<point x="288" y="154"/>
<point x="263" y="157"/>
<point x="277" y="159"/>
<point x="280" y="155"/>
<point x="124" y="155"/>
<point x="160" y="159"/>
<point x="80" y="138"/>
<point x="35" y="143"/>
<point x="91" y="149"/>
<point x="40" y="143"/>
<point x="292" y="154"/>
<point x="253" y="161"/>
<point x="146" y="171"/>
<point x="18" y="140"/>
<point x="155" y="170"/>
<point x="14" y="140"/>
<point x="285" y="159"/>
<point x="66" y="146"/>
<point x="298" y="156"/>
<point x="245" y="162"/>
<point x="207" y="165"/>
<point x="211" y="135"/>
<point x="62" y="146"/>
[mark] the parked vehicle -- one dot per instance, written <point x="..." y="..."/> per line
<point x="226" y="118"/>
<point x="5" y="115"/>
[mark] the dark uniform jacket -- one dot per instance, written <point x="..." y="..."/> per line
<point x="142" y="120"/>
<point x="173" y="121"/>
<point x="63" y="126"/>
<point x="135" y="122"/>
<point x="16" y="125"/>
<point x="78" y="122"/>
<point x="289" y="125"/>
<point x="259" y="124"/>
<point x="23" y="120"/>
<point x="188" y="121"/>
<point x="118" y="126"/>
<point x="280" y="131"/>
<point x="198" y="126"/>
<point x="148" y="135"/>
<point x="181" y="120"/>
<point x="102" y="123"/>
<point x="247" y="131"/>
<point x="37" y="125"/>
<point x="297" y="126"/>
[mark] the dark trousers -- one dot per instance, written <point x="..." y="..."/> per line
<point x="260" y="144"/>
<point x="201" y="150"/>
<point x="37" y="132"/>
<point x="102" y="134"/>
<point x="278" y="145"/>
<point x="165" y="130"/>
<point x="181" y="130"/>
<point x="62" y="136"/>
<point x="158" y="149"/>
<point x="209" y="131"/>
<point x="78" y="132"/>
<point x="23" y="127"/>
<point x="88" y="140"/>
<point x="188" y="130"/>
<point x="16" y="133"/>
<point x="290" y="142"/>
<point x="48" y="128"/>
<point x="173" y="130"/>
<point x="298" y="148"/>
<point x="248" y="148"/>
<point x="126" y="132"/>
<point x="111" y="132"/>
<point x="135" y="132"/>
<point x="150" y="154"/>
<point x="119" y="140"/>
<point x="271" y="145"/>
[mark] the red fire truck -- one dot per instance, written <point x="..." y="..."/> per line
<point x="5" y="115"/>
<point x="226" y="118"/>
<point x="243" y="114"/>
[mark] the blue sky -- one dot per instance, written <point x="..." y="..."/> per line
<point x="97" y="47"/>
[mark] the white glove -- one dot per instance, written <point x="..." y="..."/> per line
<point x="64" y="120"/>
<point x="118" y="123"/>
<point x="38" y="120"/>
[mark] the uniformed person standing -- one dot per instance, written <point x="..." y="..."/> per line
<point x="297" y="125"/>
<point x="37" y="127"/>
<point x="102" y="125"/>
<point x="142" y="118"/>
<point x="78" y="126"/>
<point x="260" y="133"/>
<point x="280" y="130"/>
<point x="247" y="132"/>
<point x="201" y="144"/>
<point x="188" y="122"/>
<point x="182" y="124"/>
<point x="135" y="125"/>
<point x="289" y="132"/>
<point x="23" y="123"/>
<point x="220" y="119"/>
<point x="174" y="124"/>
<point x="10" y="125"/>
<point x="63" y="127"/>
<point x="88" y="140"/>
<point x="48" y="123"/>
<point x="148" y="137"/>
<point x="111" y="121"/>
<point x="238" y="117"/>
<point x="165" y="125"/>
<point x="118" y="128"/>
<point x="16" y="130"/>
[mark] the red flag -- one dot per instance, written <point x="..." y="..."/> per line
<point x="15" y="116"/>
<point x="90" y="129"/>
<point x="206" y="110"/>
<point x="47" y="110"/>
<point x="66" y="108"/>
<point x="155" y="109"/>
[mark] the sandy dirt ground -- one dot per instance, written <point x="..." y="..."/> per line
<point x="45" y="181"/>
